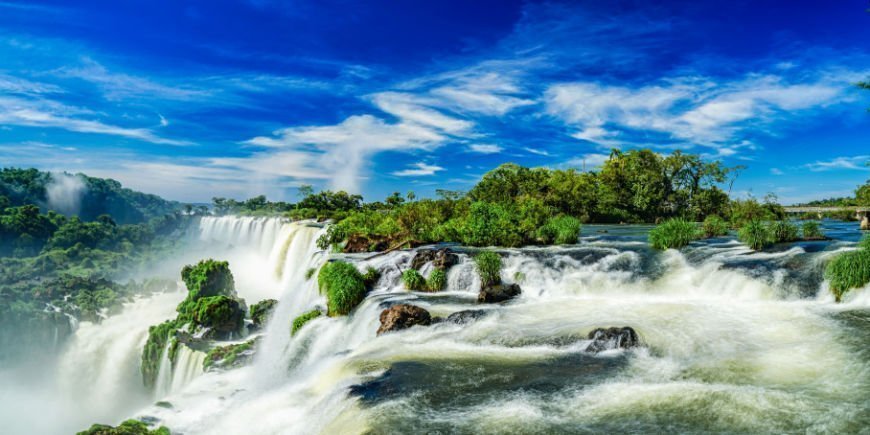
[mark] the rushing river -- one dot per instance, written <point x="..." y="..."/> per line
<point x="733" y="341"/>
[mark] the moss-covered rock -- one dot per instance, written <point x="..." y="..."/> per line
<point x="208" y="278"/>
<point x="413" y="280"/>
<point x="371" y="277"/>
<point x="223" y="316"/>
<point x="158" y="337"/>
<point x="231" y="356"/>
<point x="302" y="319"/>
<point x="261" y="311"/>
<point x="129" y="427"/>
<point x="343" y="285"/>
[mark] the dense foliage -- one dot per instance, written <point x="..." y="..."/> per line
<point x="714" y="226"/>
<point x="129" y="427"/>
<point x="488" y="265"/>
<point x="811" y="230"/>
<point x="756" y="234"/>
<point x="343" y="285"/>
<point x="673" y="234"/>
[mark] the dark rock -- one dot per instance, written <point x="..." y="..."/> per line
<point x="466" y="316"/>
<point x="441" y="258"/>
<point x="224" y="317"/>
<point x="612" y="338"/>
<point x="261" y="311"/>
<point x="403" y="316"/>
<point x="498" y="293"/>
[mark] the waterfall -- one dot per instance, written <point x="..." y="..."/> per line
<point x="172" y="378"/>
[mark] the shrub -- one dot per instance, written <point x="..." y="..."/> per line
<point x="343" y="285"/>
<point x="714" y="226"/>
<point x="756" y="234"/>
<point x="847" y="271"/>
<point x="488" y="265"/>
<point x="811" y="230"/>
<point x="561" y="230"/>
<point x="129" y="427"/>
<point x="784" y="231"/>
<point x="371" y="276"/>
<point x="302" y="319"/>
<point x="413" y="280"/>
<point x="437" y="280"/>
<point x="673" y="234"/>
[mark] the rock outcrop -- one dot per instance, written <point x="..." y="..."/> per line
<point x="498" y="293"/>
<point x="261" y="311"/>
<point x="403" y="316"/>
<point x="612" y="338"/>
<point x="442" y="259"/>
<point x="466" y="316"/>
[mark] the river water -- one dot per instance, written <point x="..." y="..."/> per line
<point x="733" y="341"/>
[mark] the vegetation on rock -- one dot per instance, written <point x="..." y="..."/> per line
<point x="261" y="311"/>
<point x="343" y="285"/>
<point x="302" y="319"/>
<point x="560" y="230"/>
<point x="436" y="281"/>
<point x="849" y="270"/>
<point x="230" y="356"/>
<point x="129" y="427"/>
<point x="756" y="234"/>
<point x="673" y="234"/>
<point x="714" y="226"/>
<point x="488" y="265"/>
<point x="811" y="230"/>
<point x="413" y="280"/>
<point x="784" y="231"/>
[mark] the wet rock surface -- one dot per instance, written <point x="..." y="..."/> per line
<point x="442" y="259"/>
<point x="466" y="316"/>
<point x="403" y="316"/>
<point x="499" y="293"/>
<point x="612" y="338"/>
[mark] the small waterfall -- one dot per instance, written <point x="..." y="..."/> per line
<point x="172" y="378"/>
<point x="163" y="384"/>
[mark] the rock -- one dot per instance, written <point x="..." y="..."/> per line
<point x="261" y="311"/>
<point x="466" y="316"/>
<point x="612" y="338"/>
<point x="441" y="258"/>
<point x="498" y="293"/>
<point x="224" y="317"/>
<point x="231" y="356"/>
<point x="865" y="223"/>
<point x="403" y="316"/>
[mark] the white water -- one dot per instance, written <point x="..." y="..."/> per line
<point x="728" y="348"/>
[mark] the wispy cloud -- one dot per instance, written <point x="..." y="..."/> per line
<point x="485" y="148"/>
<point x="840" y="163"/>
<point x="776" y="171"/>
<point x="419" y="169"/>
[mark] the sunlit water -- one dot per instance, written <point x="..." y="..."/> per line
<point x="734" y="341"/>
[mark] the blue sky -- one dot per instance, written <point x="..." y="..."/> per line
<point x="194" y="99"/>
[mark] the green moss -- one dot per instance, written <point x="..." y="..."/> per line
<point x="371" y="276"/>
<point x="129" y="427"/>
<point x="231" y="356"/>
<point x="673" y="234"/>
<point x="714" y="226"/>
<point x="223" y="314"/>
<point x="158" y="337"/>
<point x="784" y="231"/>
<point x="847" y="271"/>
<point x="261" y="311"/>
<point x="488" y="265"/>
<point x="756" y="234"/>
<point x="560" y="230"/>
<point x="811" y="230"/>
<point x="310" y="273"/>
<point x="302" y="319"/>
<point x="413" y="280"/>
<point x="208" y="278"/>
<point x="343" y="285"/>
<point x="437" y="280"/>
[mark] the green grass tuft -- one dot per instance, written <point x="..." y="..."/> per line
<point x="673" y="234"/>
<point x="847" y="271"/>
<point x="784" y="231"/>
<point x="488" y="266"/>
<point x="343" y="285"/>
<point x="437" y="280"/>
<point x="756" y="234"/>
<point x="811" y="230"/>
<point x="300" y="321"/>
<point x="413" y="280"/>
<point x="560" y="230"/>
<point x="714" y="226"/>
<point x="371" y="276"/>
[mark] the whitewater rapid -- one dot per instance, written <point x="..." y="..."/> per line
<point x="734" y="341"/>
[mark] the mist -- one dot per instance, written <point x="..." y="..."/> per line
<point x="65" y="192"/>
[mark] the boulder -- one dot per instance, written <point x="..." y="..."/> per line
<point x="261" y="311"/>
<point x="612" y="338"/>
<point x="498" y="293"/>
<point x="224" y="317"/>
<point x="442" y="259"/>
<point x="466" y="316"/>
<point x="403" y="316"/>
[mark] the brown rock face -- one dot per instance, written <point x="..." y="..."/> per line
<point x="403" y="316"/>
<point x="441" y="258"/>
<point x="498" y="293"/>
<point x="612" y="338"/>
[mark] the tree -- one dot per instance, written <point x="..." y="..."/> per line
<point x="305" y="190"/>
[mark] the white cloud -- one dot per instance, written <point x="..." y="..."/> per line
<point x="119" y="86"/>
<point x="537" y="151"/>
<point x="420" y="169"/>
<point x="776" y="171"/>
<point x="588" y="161"/>
<point x="163" y="121"/>
<point x="485" y="148"/>
<point x="849" y="163"/>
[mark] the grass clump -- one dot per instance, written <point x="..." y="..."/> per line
<point x="371" y="276"/>
<point x="413" y="280"/>
<point x="714" y="226"/>
<point x="437" y="280"/>
<point x="302" y="319"/>
<point x="784" y="231"/>
<point x="673" y="234"/>
<point x="811" y="230"/>
<point x="560" y="230"/>
<point x="488" y="265"/>
<point x="756" y="234"/>
<point x="231" y="356"/>
<point x="129" y="427"/>
<point x="343" y="285"/>
<point x="847" y="271"/>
